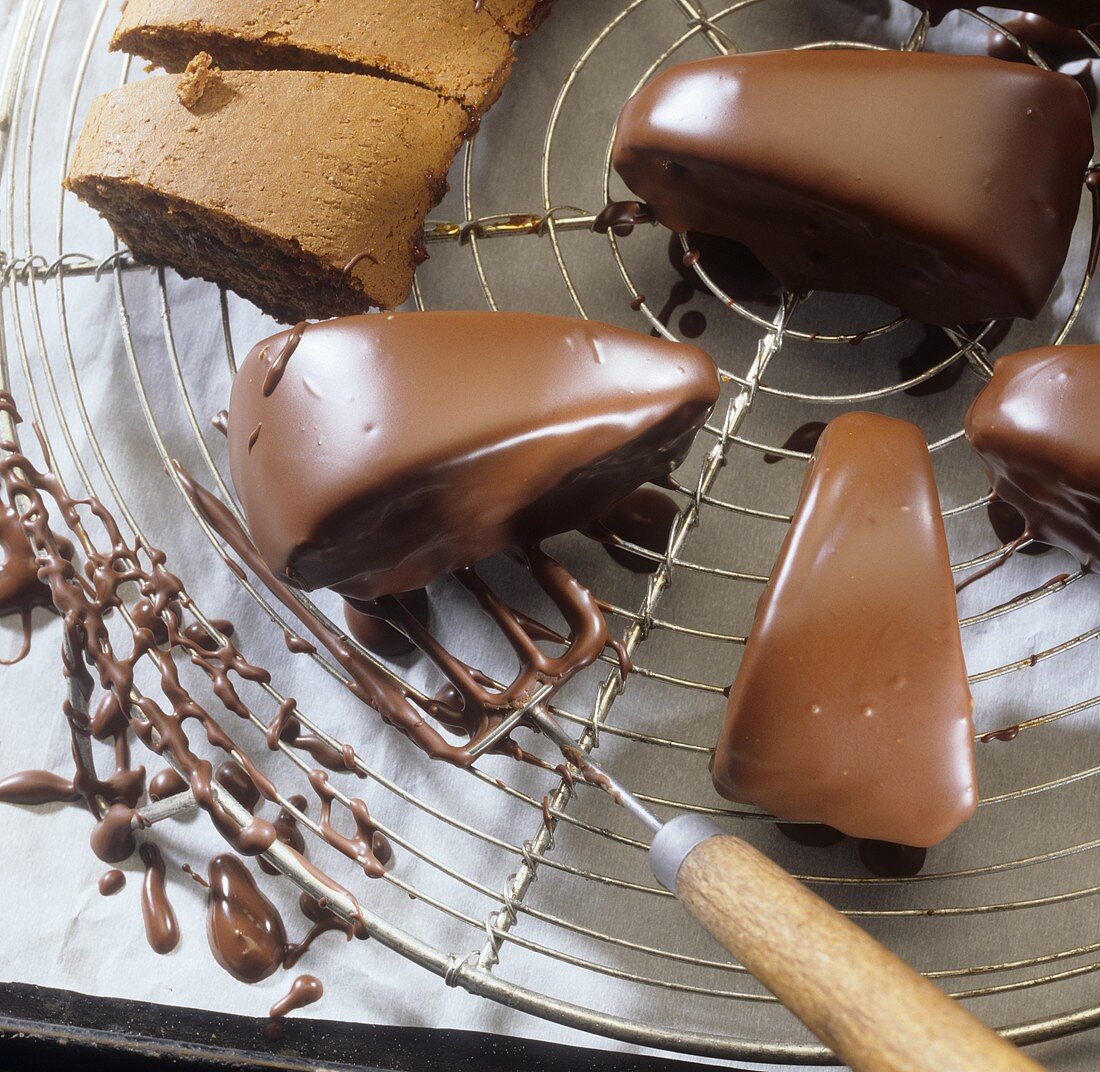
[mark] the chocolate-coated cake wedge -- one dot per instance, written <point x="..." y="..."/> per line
<point x="851" y="706"/>
<point x="373" y="453"/>
<point x="272" y="182"/>
<point x="865" y="172"/>
<point x="1036" y="428"/>
<point x="445" y="45"/>
<point x="1077" y="13"/>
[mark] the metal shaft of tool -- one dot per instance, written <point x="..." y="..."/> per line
<point x="602" y="779"/>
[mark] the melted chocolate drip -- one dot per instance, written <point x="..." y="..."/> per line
<point x="804" y="437"/>
<point x="166" y="783"/>
<point x="304" y="991"/>
<point x="220" y="422"/>
<point x="110" y="882"/>
<point x="730" y="266"/>
<point x="887" y="860"/>
<point x="161" y="927"/>
<point x="621" y="217"/>
<point x="646" y="518"/>
<point x="85" y="599"/>
<point x="323" y="920"/>
<point x="368" y="624"/>
<point x="20" y="589"/>
<point x="197" y="634"/>
<point x="38" y="787"/>
<point x="815" y="835"/>
<point x="288" y="832"/>
<point x="1009" y="733"/>
<point x="246" y="932"/>
<point x="278" y="365"/>
<point x="297" y="645"/>
<point x="389" y="697"/>
<point x="1009" y="525"/>
<point x="230" y="774"/>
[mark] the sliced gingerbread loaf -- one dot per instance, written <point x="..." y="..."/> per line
<point x="447" y="45"/>
<point x="303" y="191"/>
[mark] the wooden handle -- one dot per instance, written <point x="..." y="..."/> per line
<point x="869" y="1007"/>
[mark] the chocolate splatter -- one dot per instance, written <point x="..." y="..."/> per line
<point x="246" y="932"/>
<point x="161" y="927"/>
<point x="305" y="990"/>
<point x="110" y="882"/>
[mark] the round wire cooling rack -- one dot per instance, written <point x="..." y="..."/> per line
<point x="548" y="907"/>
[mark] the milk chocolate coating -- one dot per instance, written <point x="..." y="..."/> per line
<point x="1077" y="13"/>
<point x="851" y="706"/>
<point x="1036" y="428"/>
<point x="947" y="186"/>
<point x="396" y="447"/>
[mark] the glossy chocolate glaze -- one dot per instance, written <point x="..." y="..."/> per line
<point x="851" y="706"/>
<point x="857" y="171"/>
<point x="645" y="518"/>
<point x="246" y="932"/>
<point x="1035" y="428"/>
<point x="407" y="451"/>
<point x="1078" y="13"/>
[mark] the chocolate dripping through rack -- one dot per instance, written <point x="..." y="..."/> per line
<point x="86" y="596"/>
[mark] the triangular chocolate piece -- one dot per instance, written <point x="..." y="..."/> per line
<point x="1035" y="426"/>
<point x="851" y="706"/>
<point x="303" y="191"/>
<point x="374" y="453"/>
<point x="861" y="172"/>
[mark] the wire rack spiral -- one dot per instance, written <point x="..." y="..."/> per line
<point x="559" y="917"/>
